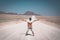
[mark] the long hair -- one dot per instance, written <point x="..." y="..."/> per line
<point x="30" y="19"/>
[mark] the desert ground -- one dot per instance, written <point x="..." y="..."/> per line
<point x="50" y="20"/>
<point x="13" y="28"/>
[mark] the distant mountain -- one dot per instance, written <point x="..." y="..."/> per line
<point x="26" y="13"/>
<point x="1" y="12"/>
<point x="30" y="13"/>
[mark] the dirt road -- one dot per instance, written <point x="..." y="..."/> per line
<point x="16" y="31"/>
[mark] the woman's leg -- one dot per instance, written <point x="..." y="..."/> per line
<point x="27" y="32"/>
<point x="32" y="32"/>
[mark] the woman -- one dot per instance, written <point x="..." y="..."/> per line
<point x="30" y="26"/>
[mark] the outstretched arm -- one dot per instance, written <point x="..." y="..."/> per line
<point x="24" y="20"/>
<point x="36" y="20"/>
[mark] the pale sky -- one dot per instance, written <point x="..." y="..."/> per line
<point x="42" y="7"/>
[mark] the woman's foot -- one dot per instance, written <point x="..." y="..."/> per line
<point x="26" y="34"/>
<point x="33" y="34"/>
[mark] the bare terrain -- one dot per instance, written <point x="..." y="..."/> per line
<point x="12" y="28"/>
<point x="48" y="19"/>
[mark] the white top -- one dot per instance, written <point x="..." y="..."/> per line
<point x="29" y="21"/>
<point x="33" y="18"/>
